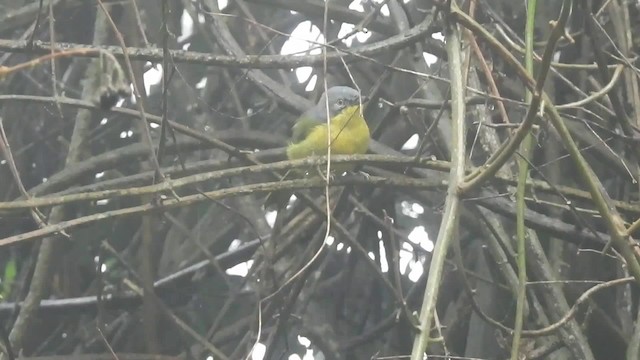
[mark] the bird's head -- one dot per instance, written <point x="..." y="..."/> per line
<point x="340" y="98"/>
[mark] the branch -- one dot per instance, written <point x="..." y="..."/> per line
<point x="450" y="218"/>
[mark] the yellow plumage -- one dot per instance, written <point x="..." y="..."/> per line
<point x="349" y="135"/>
<point x="347" y="128"/>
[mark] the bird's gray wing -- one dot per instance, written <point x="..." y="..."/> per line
<point x="305" y="123"/>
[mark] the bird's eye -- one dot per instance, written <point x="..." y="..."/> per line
<point x="340" y="102"/>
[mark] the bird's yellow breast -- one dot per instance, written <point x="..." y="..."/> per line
<point x="349" y="135"/>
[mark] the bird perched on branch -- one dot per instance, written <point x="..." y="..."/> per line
<point x="347" y="126"/>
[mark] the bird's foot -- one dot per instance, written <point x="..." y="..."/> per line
<point x="365" y="174"/>
<point x="323" y="174"/>
<point x="361" y="173"/>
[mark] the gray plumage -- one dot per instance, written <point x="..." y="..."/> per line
<point x="339" y="97"/>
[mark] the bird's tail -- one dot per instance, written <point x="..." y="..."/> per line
<point x="277" y="200"/>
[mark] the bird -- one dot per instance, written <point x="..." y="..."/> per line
<point x="347" y="126"/>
